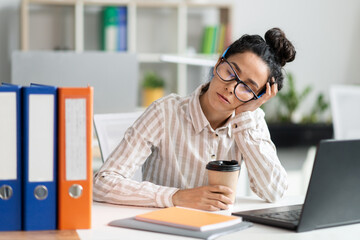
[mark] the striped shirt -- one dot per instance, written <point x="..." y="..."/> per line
<point x="173" y="141"/>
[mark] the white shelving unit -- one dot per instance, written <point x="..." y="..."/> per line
<point x="179" y="10"/>
<point x="196" y="60"/>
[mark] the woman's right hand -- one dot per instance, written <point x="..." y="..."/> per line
<point x="271" y="91"/>
<point x="209" y="198"/>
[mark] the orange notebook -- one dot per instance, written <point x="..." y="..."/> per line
<point x="75" y="157"/>
<point x="188" y="218"/>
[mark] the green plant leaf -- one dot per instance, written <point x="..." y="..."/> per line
<point x="152" y="80"/>
<point x="290" y="99"/>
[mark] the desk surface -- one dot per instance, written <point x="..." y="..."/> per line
<point x="40" y="235"/>
<point x="105" y="213"/>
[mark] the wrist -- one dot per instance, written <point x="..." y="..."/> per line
<point x="242" y="112"/>
<point x="175" y="198"/>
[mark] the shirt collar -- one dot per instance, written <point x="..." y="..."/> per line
<point x="197" y="115"/>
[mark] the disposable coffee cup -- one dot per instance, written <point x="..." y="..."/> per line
<point x="224" y="173"/>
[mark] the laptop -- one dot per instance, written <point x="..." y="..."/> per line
<point x="333" y="194"/>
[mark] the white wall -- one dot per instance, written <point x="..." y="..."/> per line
<point x="9" y="35"/>
<point x="326" y="34"/>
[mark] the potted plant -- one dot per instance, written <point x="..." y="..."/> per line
<point x="319" y="108"/>
<point x="285" y="131"/>
<point x="153" y="88"/>
<point x="289" y="101"/>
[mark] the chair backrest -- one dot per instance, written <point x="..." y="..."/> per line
<point x="110" y="129"/>
<point x="345" y="109"/>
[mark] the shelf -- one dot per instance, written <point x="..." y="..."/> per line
<point x="196" y="60"/>
<point x="159" y="31"/>
<point x="181" y="8"/>
<point x="139" y="3"/>
<point x="52" y="2"/>
<point x="149" y="57"/>
<point x="107" y="2"/>
<point x="217" y="4"/>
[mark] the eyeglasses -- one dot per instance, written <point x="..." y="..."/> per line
<point x="242" y="91"/>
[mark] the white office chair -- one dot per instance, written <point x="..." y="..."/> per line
<point x="110" y="129"/>
<point x="345" y="109"/>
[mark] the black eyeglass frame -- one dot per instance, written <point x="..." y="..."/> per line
<point x="238" y="80"/>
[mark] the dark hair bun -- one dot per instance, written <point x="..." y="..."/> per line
<point x="283" y="49"/>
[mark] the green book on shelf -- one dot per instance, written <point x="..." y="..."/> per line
<point x="208" y="39"/>
<point x="204" y="39"/>
<point x="110" y="29"/>
<point x="221" y="39"/>
<point x="214" y="39"/>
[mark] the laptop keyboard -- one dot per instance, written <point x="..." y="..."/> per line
<point x="287" y="216"/>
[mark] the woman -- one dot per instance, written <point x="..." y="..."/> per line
<point x="176" y="137"/>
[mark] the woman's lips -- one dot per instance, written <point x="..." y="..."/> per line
<point x="223" y="98"/>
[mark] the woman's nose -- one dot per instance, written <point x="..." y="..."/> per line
<point x="230" y="86"/>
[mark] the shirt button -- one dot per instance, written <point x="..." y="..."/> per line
<point x="235" y="125"/>
<point x="216" y="135"/>
<point x="213" y="156"/>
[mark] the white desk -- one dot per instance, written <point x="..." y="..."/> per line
<point x="104" y="213"/>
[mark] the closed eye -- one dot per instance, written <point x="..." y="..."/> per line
<point x="230" y="73"/>
<point x="248" y="81"/>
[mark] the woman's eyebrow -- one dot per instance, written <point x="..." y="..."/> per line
<point x="252" y="82"/>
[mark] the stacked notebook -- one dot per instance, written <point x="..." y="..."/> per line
<point x="184" y="222"/>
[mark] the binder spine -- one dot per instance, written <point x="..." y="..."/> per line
<point x="10" y="189"/>
<point x="40" y="176"/>
<point x="75" y="185"/>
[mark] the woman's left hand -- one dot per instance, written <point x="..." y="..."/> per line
<point x="271" y="91"/>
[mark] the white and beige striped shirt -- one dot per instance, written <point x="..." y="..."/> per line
<point x="173" y="141"/>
